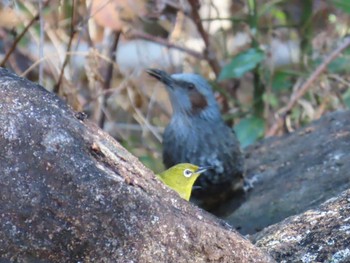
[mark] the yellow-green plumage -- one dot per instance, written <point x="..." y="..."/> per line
<point x="181" y="178"/>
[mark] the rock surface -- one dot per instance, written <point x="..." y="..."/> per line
<point x="294" y="173"/>
<point x="70" y="193"/>
<point x="318" y="235"/>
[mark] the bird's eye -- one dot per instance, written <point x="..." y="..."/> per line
<point x="191" y="86"/>
<point x="187" y="173"/>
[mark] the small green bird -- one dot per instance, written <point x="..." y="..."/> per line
<point x="181" y="178"/>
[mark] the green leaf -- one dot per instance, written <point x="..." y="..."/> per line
<point x="295" y="114"/>
<point x="339" y="65"/>
<point x="241" y="64"/>
<point x="346" y="98"/>
<point x="250" y="129"/>
<point x="271" y="99"/>
<point x="344" y="5"/>
<point x="281" y="81"/>
<point x="273" y="8"/>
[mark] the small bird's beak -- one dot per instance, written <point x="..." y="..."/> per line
<point x="203" y="169"/>
<point x="161" y="75"/>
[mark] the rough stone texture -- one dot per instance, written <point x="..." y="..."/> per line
<point x="69" y="193"/>
<point x="318" y="235"/>
<point x="294" y="173"/>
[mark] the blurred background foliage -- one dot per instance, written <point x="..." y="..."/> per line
<point x="257" y="54"/>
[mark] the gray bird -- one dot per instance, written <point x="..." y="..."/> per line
<point x="197" y="134"/>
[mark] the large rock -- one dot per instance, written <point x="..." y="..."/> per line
<point x="294" y="173"/>
<point x="318" y="235"/>
<point x="70" y="193"/>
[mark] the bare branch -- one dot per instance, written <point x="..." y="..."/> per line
<point x="108" y="77"/>
<point x="208" y="52"/>
<point x="18" y="38"/>
<point x="164" y="42"/>
<point x="72" y="33"/>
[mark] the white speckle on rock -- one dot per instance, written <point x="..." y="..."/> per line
<point x="14" y="230"/>
<point x="154" y="220"/>
<point x="309" y="257"/>
<point x="55" y="139"/>
<point x="346" y="219"/>
<point x="249" y="183"/>
<point x="331" y="213"/>
<point x="330" y="242"/>
<point x="345" y="228"/>
<point x="35" y="201"/>
<point x="289" y="238"/>
<point x="173" y="201"/>
<point x="273" y="243"/>
<point x="10" y="130"/>
<point x="341" y="256"/>
<point x="100" y="198"/>
<point x="337" y="156"/>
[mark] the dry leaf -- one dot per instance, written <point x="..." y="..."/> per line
<point x="117" y="14"/>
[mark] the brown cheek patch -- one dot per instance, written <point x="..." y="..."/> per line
<point x="198" y="101"/>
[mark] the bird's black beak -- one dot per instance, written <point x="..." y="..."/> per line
<point x="161" y="75"/>
<point x="202" y="169"/>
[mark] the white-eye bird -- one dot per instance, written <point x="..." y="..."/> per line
<point x="181" y="178"/>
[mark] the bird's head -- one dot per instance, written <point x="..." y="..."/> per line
<point x="181" y="178"/>
<point x="190" y="94"/>
<point x="185" y="172"/>
<point x="182" y="175"/>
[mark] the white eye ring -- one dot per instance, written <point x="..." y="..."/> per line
<point x="187" y="173"/>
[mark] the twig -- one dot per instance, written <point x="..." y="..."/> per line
<point x="305" y="87"/>
<point x="208" y="53"/>
<point x="108" y="77"/>
<point x="18" y="38"/>
<point x="264" y="28"/>
<point x="339" y="79"/>
<point x="41" y="42"/>
<point x="164" y="42"/>
<point x="136" y="127"/>
<point x="139" y="117"/>
<point x="218" y="18"/>
<point x="70" y="53"/>
<point x="66" y="58"/>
